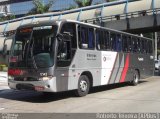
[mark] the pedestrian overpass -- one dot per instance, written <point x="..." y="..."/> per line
<point x="121" y="15"/>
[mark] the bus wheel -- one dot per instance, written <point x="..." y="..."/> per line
<point x="83" y="86"/>
<point x="136" y="77"/>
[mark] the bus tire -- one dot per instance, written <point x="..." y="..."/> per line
<point x="159" y="71"/>
<point x="136" y="78"/>
<point x="83" y="86"/>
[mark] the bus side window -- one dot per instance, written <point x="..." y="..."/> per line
<point x="70" y="29"/>
<point x="91" y="38"/>
<point x="147" y="46"/>
<point x="150" y="47"/>
<point x="106" y="37"/>
<point x="67" y="50"/>
<point x="113" y="41"/>
<point x="130" y="48"/>
<point x="82" y="37"/>
<point x="98" y="39"/>
<point x="135" y="45"/>
<point x="138" y="45"/>
<point x="86" y="38"/>
<point x="118" y="43"/>
<point x="125" y="45"/>
<point x="142" y="46"/>
<point x="102" y="40"/>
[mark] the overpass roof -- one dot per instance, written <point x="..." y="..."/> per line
<point x="122" y="7"/>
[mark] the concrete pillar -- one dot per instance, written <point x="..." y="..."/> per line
<point x="155" y="45"/>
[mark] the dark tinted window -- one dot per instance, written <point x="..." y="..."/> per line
<point x="143" y="49"/>
<point x="99" y="39"/>
<point x="70" y="29"/>
<point x="102" y="40"/>
<point x="124" y="43"/>
<point x="67" y="50"/>
<point x="116" y="42"/>
<point x="91" y="38"/>
<point x="150" y="46"/>
<point x="134" y="43"/>
<point x="86" y="37"/>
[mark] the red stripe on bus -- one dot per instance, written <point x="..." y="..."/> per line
<point x="125" y="69"/>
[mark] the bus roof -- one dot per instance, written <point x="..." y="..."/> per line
<point x="52" y="22"/>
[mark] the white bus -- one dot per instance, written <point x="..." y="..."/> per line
<point x="62" y="55"/>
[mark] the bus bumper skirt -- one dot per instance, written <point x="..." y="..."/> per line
<point x="42" y="86"/>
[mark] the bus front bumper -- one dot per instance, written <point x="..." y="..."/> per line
<point x="42" y="86"/>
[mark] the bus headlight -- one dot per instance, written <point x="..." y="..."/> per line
<point x="45" y="78"/>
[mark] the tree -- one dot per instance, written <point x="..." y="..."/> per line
<point x="8" y="17"/>
<point x="83" y="3"/>
<point x="40" y="8"/>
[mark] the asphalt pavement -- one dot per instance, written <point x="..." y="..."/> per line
<point x="117" y="98"/>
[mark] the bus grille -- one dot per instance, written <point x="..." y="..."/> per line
<point x="25" y="87"/>
<point x="25" y="79"/>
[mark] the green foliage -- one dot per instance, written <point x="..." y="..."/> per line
<point x="40" y="8"/>
<point x="9" y="17"/>
<point x="83" y="3"/>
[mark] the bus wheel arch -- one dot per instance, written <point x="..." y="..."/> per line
<point x="89" y="75"/>
<point x="84" y="83"/>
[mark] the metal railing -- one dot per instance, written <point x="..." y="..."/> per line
<point x="100" y="19"/>
<point x="123" y="16"/>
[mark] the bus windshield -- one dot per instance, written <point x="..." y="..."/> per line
<point x="34" y="47"/>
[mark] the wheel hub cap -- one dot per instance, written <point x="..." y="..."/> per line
<point x="83" y="86"/>
<point x="135" y="78"/>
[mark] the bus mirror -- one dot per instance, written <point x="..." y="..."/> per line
<point x="5" y="49"/>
